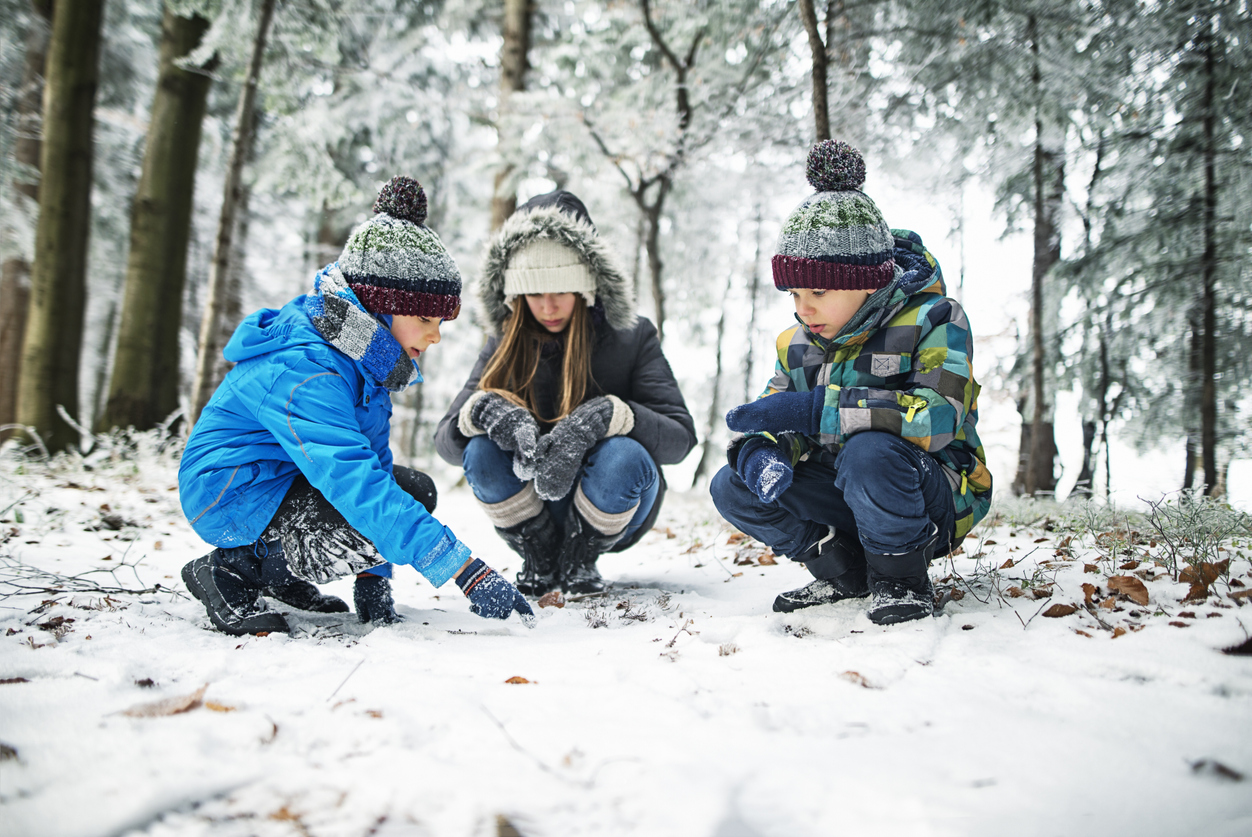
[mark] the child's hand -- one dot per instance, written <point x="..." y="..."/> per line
<point x="490" y="595"/>
<point x="764" y="468"/>
<point x="780" y="412"/>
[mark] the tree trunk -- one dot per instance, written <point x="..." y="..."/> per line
<point x="652" y="246"/>
<point x="710" y="450"/>
<point x="817" y="48"/>
<point x="514" y="62"/>
<point x="754" y="286"/>
<point x="1208" y="273"/>
<point x="15" y="272"/>
<point x="1049" y="182"/>
<point x="53" y="339"/>
<point x="211" y="323"/>
<point x="143" y="389"/>
<point x="1086" y="477"/>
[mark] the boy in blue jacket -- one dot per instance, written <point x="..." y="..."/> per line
<point x="288" y="471"/>
<point x="860" y="459"/>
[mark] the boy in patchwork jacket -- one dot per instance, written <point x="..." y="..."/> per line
<point x="860" y="459"/>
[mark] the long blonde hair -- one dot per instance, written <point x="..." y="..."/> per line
<point x="511" y="371"/>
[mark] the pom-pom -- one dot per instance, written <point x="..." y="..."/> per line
<point x="403" y="198"/>
<point x="835" y="166"/>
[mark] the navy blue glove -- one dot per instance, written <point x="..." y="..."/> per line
<point x="763" y="468"/>
<point x="491" y="596"/>
<point x="780" y="412"/>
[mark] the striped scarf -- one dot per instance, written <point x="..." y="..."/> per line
<point x="340" y="318"/>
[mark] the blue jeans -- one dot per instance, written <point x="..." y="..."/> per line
<point x="884" y="490"/>
<point x="616" y="474"/>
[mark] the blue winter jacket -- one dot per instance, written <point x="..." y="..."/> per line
<point x="295" y="404"/>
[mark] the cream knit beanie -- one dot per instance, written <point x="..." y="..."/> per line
<point x="544" y="266"/>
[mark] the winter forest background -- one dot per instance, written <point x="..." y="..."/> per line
<point x="1080" y="168"/>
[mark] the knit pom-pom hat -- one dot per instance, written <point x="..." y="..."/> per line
<point x="837" y="239"/>
<point x="397" y="265"/>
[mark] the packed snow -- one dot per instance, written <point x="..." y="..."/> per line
<point x="677" y="704"/>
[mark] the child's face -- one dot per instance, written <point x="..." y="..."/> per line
<point x="415" y="334"/>
<point x="552" y="311"/>
<point x="825" y="312"/>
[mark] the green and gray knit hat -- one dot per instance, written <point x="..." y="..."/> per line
<point x="397" y="265"/>
<point x="837" y="239"/>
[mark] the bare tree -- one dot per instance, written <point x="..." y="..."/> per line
<point x="143" y="390"/>
<point x="53" y="339"/>
<point x="15" y="273"/>
<point x="212" y="324"/>
<point x="514" y="62"/>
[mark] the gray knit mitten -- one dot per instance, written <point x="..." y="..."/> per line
<point x="511" y="427"/>
<point x="560" y="453"/>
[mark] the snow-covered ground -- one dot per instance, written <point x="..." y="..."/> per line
<point x="677" y="705"/>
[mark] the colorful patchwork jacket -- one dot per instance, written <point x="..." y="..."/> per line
<point x="907" y="370"/>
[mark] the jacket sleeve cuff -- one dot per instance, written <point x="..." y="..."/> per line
<point x="623" y="420"/>
<point x="463" y="421"/>
<point x="442" y="562"/>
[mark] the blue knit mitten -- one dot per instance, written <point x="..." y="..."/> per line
<point x="491" y="596"/>
<point x="797" y="411"/>
<point x="763" y="468"/>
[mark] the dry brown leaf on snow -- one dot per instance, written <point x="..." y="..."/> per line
<point x="1058" y="610"/>
<point x="1044" y="592"/>
<point x="1089" y="590"/>
<point x="1083" y="633"/>
<point x="1109" y="603"/>
<point x="1090" y="568"/>
<point x="517" y="679"/>
<point x="1240" y="594"/>
<point x="168" y="706"/>
<point x="857" y="678"/>
<point x="1178" y="624"/>
<point x="1129" y="565"/>
<point x="553" y="598"/>
<point x="1007" y="565"/>
<point x="1015" y="592"/>
<point x="736" y="537"/>
<point x="767" y="560"/>
<point x="1130" y="587"/>
<point x="218" y="707"/>
<point x="1202" y="573"/>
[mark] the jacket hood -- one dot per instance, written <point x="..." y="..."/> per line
<point x="549" y="220"/>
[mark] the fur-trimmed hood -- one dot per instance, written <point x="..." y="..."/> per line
<point x="614" y="290"/>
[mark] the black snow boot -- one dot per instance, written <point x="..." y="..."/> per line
<point x="537" y="540"/>
<point x="228" y="583"/>
<point x="901" y="585"/>
<point x="838" y="562"/>
<point x="582" y="546"/>
<point x="372" y="596"/>
<point x="282" y="585"/>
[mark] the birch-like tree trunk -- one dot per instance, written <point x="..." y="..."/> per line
<point x="1208" y="274"/>
<point x="15" y="272"/>
<point x="514" y="61"/>
<point x="212" y="322"/>
<point x="143" y="389"/>
<point x="58" y="293"/>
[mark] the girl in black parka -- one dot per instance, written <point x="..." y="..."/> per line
<point x="571" y="406"/>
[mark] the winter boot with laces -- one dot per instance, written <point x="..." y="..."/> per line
<point x="838" y="561"/>
<point x="372" y="596"/>
<point x="282" y="585"/>
<point x="538" y="541"/>
<point x="228" y="583"/>
<point x="581" y="548"/>
<point x="901" y="586"/>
